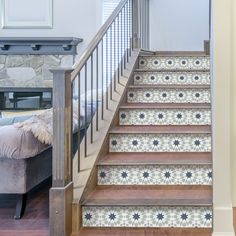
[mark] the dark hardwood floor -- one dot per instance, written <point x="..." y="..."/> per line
<point x="35" y="220"/>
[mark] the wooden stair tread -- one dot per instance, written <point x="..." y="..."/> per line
<point x="95" y="231"/>
<point x="165" y="129"/>
<point x="163" y="86"/>
<point x="149" y="196"/>
<point x="166" y="106"/>
<point x="156" y="159"/>
<point x="170" y="70"/>
<point x="173" y="54"/>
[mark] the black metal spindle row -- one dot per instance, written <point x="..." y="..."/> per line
<point x="102" y="72"/>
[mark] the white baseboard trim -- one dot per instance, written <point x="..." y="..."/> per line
<point x="223" y="221"/>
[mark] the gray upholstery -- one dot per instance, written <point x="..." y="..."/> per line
<point x="19" y="176"/>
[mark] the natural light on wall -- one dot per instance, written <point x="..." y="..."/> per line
<point x="108" y="8"/>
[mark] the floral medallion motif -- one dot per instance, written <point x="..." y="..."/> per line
<point x="160" y="143"/>
<point x="153" y="175"/>
<point x="174" y="63"/>
<point x="165" y="117"/>
<point x="149" y="216"/>
<point x="172" y="78"/>
<point x="153" y="95"/>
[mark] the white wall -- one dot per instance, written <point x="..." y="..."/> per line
<point x="178" y="25"/>
<point x="71" y="18"/>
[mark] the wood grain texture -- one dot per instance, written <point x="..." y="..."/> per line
<point x="164" y="129"/>
<point x="143" y="232"/>
<point x="234" y="211"/>
<point x="171" y="86"/>
<point x="156" y="158"/>
<point x="149" y="195"/>
<point x="166" y="106"/>
<point x="36" y="218"/>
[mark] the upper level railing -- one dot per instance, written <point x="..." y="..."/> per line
<point x="81" y="95"/>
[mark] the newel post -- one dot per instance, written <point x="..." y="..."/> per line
<point x="141" y="24"/>
<point x="61" y="193"/>
<point x="136" y="24"/>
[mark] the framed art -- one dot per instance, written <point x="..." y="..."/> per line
<point x="27" y="14"/>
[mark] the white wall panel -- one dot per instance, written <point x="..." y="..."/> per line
<point x="178" y="25"/>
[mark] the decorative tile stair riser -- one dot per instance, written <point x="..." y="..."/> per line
<point x="158" y="171"/>
<point x="154" y="95"/>
<point x="160" y="143"/>
<point x="165" y="117"/>
<point x="174" y="63"/>
<point x="128" y="216"/>
<point x="172" y="78"/>
<point x="153" y="175"/>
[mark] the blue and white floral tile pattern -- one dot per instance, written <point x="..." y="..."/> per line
<point x="172" y="78"/>
<point x="174" y="63"/>
<point x="165" y="117"/>
<point x="153" y="175"/>
<point x="154" y="95"/>
<point x="160" y="143"/>
<point x="149" y="216"/>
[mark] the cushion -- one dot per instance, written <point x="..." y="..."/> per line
<point x="12" y="120"/>
<point x="18" y="144"/>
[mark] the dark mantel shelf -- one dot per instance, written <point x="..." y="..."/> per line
<point x="39" y="46"/>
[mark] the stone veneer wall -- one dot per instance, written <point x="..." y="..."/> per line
<point x="30" y="70"/>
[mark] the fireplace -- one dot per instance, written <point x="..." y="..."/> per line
<point x="25" y="62"/>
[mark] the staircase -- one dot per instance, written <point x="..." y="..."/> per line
<point x="156" y="178"/>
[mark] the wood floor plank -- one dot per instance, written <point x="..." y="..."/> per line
<point x="35" y="221"/>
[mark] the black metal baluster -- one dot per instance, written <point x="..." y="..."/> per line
<point x="107" y="70"/>
<point x="115" y="59"/>
<point x="97" y="88"/>
<point x="102" y="72"/>
<point x="79" y="100"/>
<point x="124" y="53"/>
<point x="130" y="27"/>
<point x="121" y="45"/>
<point x="85" y="109"/>
<point x="91" y="102"/>
<point x="127" y="31"/>
<point x="111" y="76"/>
<point x="118" y="47"/>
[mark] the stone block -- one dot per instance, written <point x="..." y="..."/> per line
<point x="21" y="73"/>
<point x="3" y="59"/>
<point x="15" y="60"/>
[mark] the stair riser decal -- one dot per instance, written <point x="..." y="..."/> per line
<point x="183" y="217"/>
<point x="165" y="117"/>
<point x="160" y="143"/>
<point x="169" y="96"/>
<point x="174" y="63"/>
<point x="153" y="175"/>
<point x="171" y="78"/>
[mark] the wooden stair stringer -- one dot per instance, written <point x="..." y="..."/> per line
<point x="85" y="180"/>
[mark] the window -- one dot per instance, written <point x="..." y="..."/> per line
<point x="108" y="7"/>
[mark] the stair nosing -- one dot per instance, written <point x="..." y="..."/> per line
<point x="163" y="86"/>
<point x="151" y="204"/>
<point x="171" y="70"/>
<point x="157" y="106"/>
<point x="146" y="159"/>
<point x="103" y="163"/>
<point x="138" y="70"/>
<point x="136" y="129"/>
<point x="176" y="55"/>
<point x="174" y="195"/>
